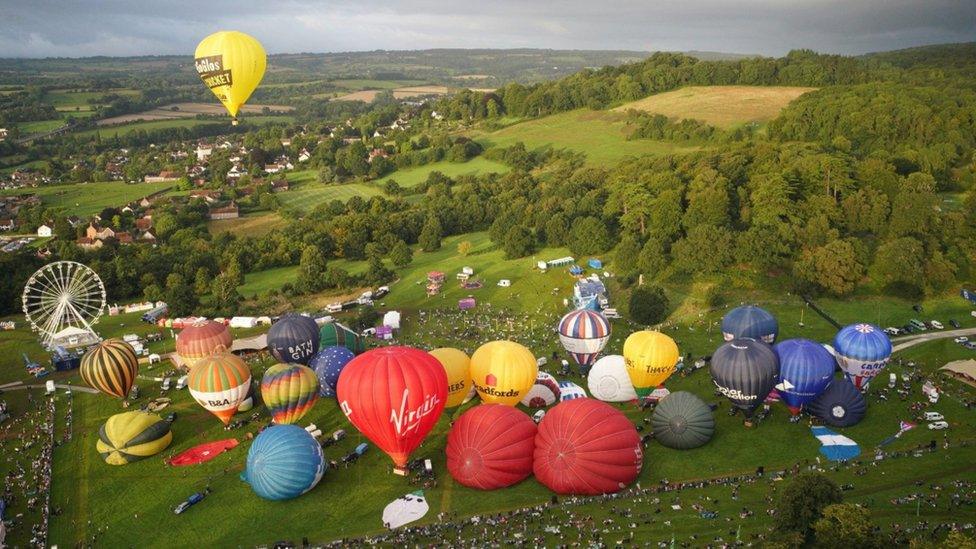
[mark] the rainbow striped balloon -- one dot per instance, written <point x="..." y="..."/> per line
<point x="111" y="367"/>
<point x="584" y="333"/>
<point x="289" y="391"/>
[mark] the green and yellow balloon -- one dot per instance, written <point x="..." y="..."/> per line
<point x="132" y="436"/>
<point x="289" y="391"/>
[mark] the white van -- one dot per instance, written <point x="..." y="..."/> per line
<point x="892" y="380"/>
<point x="933" y="416"/>
<point x="334" y="307"/>
<point x="166" y="383"/>
<point x="181" y="383"/>
<point x="537" y="417"/>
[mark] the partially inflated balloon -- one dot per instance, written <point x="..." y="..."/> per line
<point x="682" y="421"/>
<point x="608" y="380"/>
<point x="490" y="446"/>
<point x="752" y="322"/>
<point x="200" y="340"/>
<point x="111" y="367"/>
<point x="294" y="338"/>
<point x="457" y="366"/>
<point x="394" y="396"/>
<point x="503" y="372"/>
<point x="220" y="384"/>
<point x="544" y="392"/>
<point x="289" y="391"/>
<point x="650" y="357"/>
<point x="231" y="64"/>
<point x="132" y="436"/>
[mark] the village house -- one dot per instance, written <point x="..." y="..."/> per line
<point x="164" y="176"/>
<point x="236" y="172"/>
<point x="304" y="156"/>
<point x="203" y="152"/>
<point x="279" y="185"/>
<point x="94" y="232"/>
<point x="7" y="224"/>
<point x="74" y="221"/>
<point x="44" y="231"/>
<point x="145" y="202"/>
<point x="3" y="134"/>
<point x="148" y="236"/>
<point x="286" y="142"/>
<point x="123" y="238"/>
<point x="144" y="223"/>
<point x="88" y="243"/>
<point x="209" y="196"/>
<point x="377" y="153"/>
<point x="225" y="212"/>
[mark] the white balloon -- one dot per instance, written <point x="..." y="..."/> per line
<point x="608" y="380"/>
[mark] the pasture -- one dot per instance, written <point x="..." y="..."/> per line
<point x="304" y="197"/>
<point x="252" y="224"/>
<point x="399" y="93"/>
<point x="87" y="199"/>
<point x="411" y="177"/>
<point x="721" y="106"/>
<point x="189" y="110"/>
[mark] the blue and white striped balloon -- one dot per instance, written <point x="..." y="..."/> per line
<point x="284" y="462"/>
<point x="862" y="351"/>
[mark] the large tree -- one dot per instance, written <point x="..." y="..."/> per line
<point x="430" y="234"/>
<point x="648" y="305"/>
<point x="803" y="500"/>
<point x="833" y="267"/>
<point x="845" y="525"/>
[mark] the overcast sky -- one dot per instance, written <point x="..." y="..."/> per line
<point x="43" y="28"/>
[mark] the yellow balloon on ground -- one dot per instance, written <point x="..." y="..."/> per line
<point x="231" y="64"/>
<point x="132" y="436"/>
<point x="650" y="358"/>
<point x="458" y="367"/>
<point x="503" y="372"/>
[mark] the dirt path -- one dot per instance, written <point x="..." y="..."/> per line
<point x="902" y="343"/>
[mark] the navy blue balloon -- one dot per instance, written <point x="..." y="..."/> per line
<point x="841" y="405"/>
<point x="284" y="462"/>
<point x="806" y="368"/>
<point x="294" y="338"/>
<point x="745" y="371"/>
<point x="752" y="322"/>
<point x="328" y="364"/>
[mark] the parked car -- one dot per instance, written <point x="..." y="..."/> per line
<point x="954" y="323"/>
<point x="938" y="425"/>
<point x="970" y="345"/>
<point x="933" y="416"/>
<point x="961" y="339"/>
<point x="170" y="417"/>
<point x="937" y="325"/>
<point x="892" y="331"/>
<point x="192" y="500"/>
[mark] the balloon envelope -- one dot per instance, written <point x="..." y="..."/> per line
<point x="491" y="446"/>
<point x="584" y="333"/>
<point x="289" y="391"/>
<point x="745" y="371"/>
<point x="294" y="338"/>
<point x="544" y="392"/>
<point x="394" y="396"/>
<point x="806" y="368"/>
<point x="503" y="372"/>
<point x="682" y="421"/>
<point x="609" y="381"/>
<point x="862" y="351"/>
<point x="284" y="462"/>
<point x="111" y="367"/>
<point x="650" y="358"/>
<point x="132" y="436"/>
<point x="457" y="366"/>
<point x="219" y="384"/>
<point x="328" y="364"/>
<point x="585" y="446"/>
<point x="231" y="64"/>
<point x="841" y="405"/>
<point x="569" y="391"/>
<point x="751" y="322"/>
<point x="201" y="339"/>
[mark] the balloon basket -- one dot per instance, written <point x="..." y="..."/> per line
<point x="748" y="423"/>
<point x="402" y="471"/>
<point x="233" y="121"/>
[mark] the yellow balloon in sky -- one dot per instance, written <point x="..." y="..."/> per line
<point x="231" y="64"/>
<point x="458" y="368"/>
<point x="503" y="372"/>
<point x="650" y="358"/>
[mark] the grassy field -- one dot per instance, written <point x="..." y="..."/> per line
<point x="304" y="197"/>
<point x="68" y="100"/>
<point x="85" y="199"/>
<point x="721" y="106"/>
<point x="416" y="175"/>
<point x="255" y="224"/>
<point x="365" y="83"/>
<point x="601" y="135"/>
<point x="39" y="126"/>
<point x="124" y="129"/>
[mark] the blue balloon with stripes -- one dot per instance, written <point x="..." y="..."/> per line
<point x="750" y="322"/>
<point x="806" y="369"/>
<point x="284" y="462"/>
<point x="862" y="350"/>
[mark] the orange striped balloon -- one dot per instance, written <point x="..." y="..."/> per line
<point x="111" y="367"/>
<point x="220" y="383"/>
<point x="202" y="339"/>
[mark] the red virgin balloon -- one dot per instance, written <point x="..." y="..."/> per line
<point x="394" y="396"/>
<point x="490" y="446"/>
<point x="586" y="446"/>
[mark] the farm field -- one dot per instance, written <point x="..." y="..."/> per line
<point x="366" y="83"/>
<point x="305" y="196"/>
<point x="86" y="199"/>
<point x="399" y="93"/>
<point x="188" y="110"/>
<point x="600" y="135"/>
<point x="123" y="129"/>
<point x="411" y="177"/>
<point x="253" y="224"/>
<point x="721" y="106"/>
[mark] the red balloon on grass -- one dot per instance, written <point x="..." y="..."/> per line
<point x="490" y="446"/>
<point x="585" y="446"/>
<point x="394" y="396"/>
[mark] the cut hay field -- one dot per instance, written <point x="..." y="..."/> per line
<point x="189" y="110"/>
<point x="399" y="93"/>
<point x="253" y="224"/>
<point x="86" y="199"/>
<point x="721" y="106"/>
<point x="600" y="135"/>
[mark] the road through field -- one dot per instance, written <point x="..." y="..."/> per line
<point x="901" y="343"/>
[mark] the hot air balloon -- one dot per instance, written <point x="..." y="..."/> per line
<point x="457" y="366"/>
<point x="751" y="322"/>
<point x="289" y="391"/>
<point x="805" y="370"/>
<point x="328" y="364"/>
<point x="503" y="372"/>
<point x="841" y="405"/>
<point x="569" y="390"/>
<point x="490" y="446"/>
<point x="862" y="351"/>
<point x="394" y="396"/>
<point x="284" y="462"/>
<point x="682" y="421"/>
<point x="111" y="367"/>
<point x="294" y="338"/>
<point x="585" y="446"/>
<point x="584" y="333"/>
<point x="544" y="392"/>
<point x="335" y="334"/>
<point x="220" y="383"/>
<point x="132" y="436"/>
<point x="650" y="358"/>
<point x="201" y="339"/>
<point x="608" y="380"/>
<point x="231" y="64"/>
<point x="745" y="371"/>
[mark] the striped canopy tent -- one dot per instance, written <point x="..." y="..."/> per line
<point x="333" y="334"/>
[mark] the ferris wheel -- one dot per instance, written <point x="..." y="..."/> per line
<point x="62" y="300"/>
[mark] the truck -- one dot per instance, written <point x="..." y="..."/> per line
<point x="190" y="501"/>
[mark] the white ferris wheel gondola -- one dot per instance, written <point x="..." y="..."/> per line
<point x="62" y="301"/>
